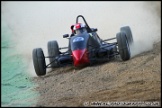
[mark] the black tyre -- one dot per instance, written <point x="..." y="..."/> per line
<point x="127" y="31"/>
<point x="39" y="61"/>
<point x="53" y="51"/>
<point x="123" y="46"/>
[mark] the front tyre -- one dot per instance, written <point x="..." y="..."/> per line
<point x="123" y="46"/>
<point x="39" y="61"/>
<point x="53" y="51"/>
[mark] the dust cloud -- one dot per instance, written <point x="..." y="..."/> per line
<point x="33" y="24"/>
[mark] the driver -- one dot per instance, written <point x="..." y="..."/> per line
<point x="79" y="28"/>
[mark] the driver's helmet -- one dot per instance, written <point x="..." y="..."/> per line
<point x="80" y="28"/>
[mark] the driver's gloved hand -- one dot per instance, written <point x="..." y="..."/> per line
<point x="72" y="35"/>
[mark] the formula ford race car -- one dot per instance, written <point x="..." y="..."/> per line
<point x="85" y="48"/>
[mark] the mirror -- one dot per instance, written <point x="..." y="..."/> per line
<point x="65" y="35"/>
<point x="94" y="29"/>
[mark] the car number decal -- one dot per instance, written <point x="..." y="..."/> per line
<point x="78" y="39"/>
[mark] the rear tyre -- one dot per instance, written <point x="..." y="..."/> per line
<point x="123" y="46"/>
<point x="127" y="31"/>
<point x="53" y="51"/>
<point x="39" y="61"/>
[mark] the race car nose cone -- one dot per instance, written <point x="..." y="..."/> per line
<point x="80" y="57"/>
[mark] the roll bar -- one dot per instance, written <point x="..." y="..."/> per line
<point x="88" y="28"/>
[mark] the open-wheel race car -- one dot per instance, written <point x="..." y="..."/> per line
<point x="85" y="48"/>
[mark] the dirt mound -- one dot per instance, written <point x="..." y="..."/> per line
<point x="137" y="79"/>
